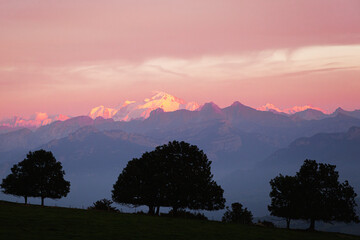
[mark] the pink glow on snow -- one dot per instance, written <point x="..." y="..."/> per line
<point x="292" y="110"/>
<point x="61" y="117"/>
<point x="34" y="121"/>
<point x="142" y="109"/>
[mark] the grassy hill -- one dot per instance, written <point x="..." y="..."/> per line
<point x="18" y="221"/>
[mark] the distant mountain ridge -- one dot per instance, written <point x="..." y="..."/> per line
<point x="131" y="110"/>
<point x="277" y="129"/>
<point x="335" y="148"/>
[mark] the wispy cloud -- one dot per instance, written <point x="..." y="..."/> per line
<point x="266" y="63"/>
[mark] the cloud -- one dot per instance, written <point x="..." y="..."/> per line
<point x="206" y="70"/>
<point x="52" y="32"/>
<point x="254" y="65"/>
<point x="109" y="51"/>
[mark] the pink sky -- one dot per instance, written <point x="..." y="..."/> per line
<point x="69" y="56"/>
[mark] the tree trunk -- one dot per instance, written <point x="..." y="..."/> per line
<point x="151" y="210"/>
<point x="25" y="197"/>
<point x="42" y="201"/>
<point x="175" y="209"/>
<point x="158" y="210"/>
<point x="312" y="224"/>
<point x="288" y="223"/>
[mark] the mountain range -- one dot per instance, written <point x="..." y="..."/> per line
<point x="247" y="146"/>
<point x="127" y="111"/>
<point x="130" y="110"/>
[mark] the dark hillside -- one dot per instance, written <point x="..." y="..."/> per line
<point x="18" y="221"/>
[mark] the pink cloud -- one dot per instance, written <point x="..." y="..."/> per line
<point x="68" y="31"/>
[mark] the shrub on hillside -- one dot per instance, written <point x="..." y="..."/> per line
<point x="237" y="214"/>
<point x="103" y="205"/>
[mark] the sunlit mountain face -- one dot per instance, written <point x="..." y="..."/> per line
<point x="140" y="110"/>
<point x="295" y="109"/>
<point x="124" y="112"/>
<point x="37" y="120"/>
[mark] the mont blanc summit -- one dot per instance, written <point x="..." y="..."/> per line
<point x="141" y="110"/>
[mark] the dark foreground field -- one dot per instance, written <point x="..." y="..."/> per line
<point x="18" y="221"/>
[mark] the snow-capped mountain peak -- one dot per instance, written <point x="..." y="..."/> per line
<point x="127" y="102"/>
<point x="140" y="110"/>
<point x="272" y="108"/>
<point x="36" y="120"/>
<point x="102" y="111"/>
<point x="166" y="97"/>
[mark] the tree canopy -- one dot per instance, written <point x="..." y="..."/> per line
<point x="20" y="181"/>
<point x="176" y="175"/>
<point x="314" y="193"/>
<point x="284" y="198"/>
<point x="38" y="175"/>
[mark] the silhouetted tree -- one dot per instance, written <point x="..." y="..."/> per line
<point x="237" y="214"/>
<point x="284" y="198"/>
<point x="103" y="205"/>
<point x="48" y="176"/>
<point x="38" y="175"/>
<point x="136" y="185"/>
<point x="176" y="175"/>
<point x="314" y="193"/>
<point x="188" y="178"/>
<point x="322" y="196"/>
<point x="20" y="181"/>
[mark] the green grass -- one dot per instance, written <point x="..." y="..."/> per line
<point x="18" y="221"/>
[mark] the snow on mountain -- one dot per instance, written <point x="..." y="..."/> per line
<point x="102" y="111"/>
<point x="272" y="108"/>
<point x="307" y="112"/>
<point x="296" y="109"/>
<point x="34" y="121"/>
<point x="192" y="106"/>
<point x="141" y="110"/>
<point x="130" y="110"/>
<point x="125" y="112"/>
<point x="269" y="107"/>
